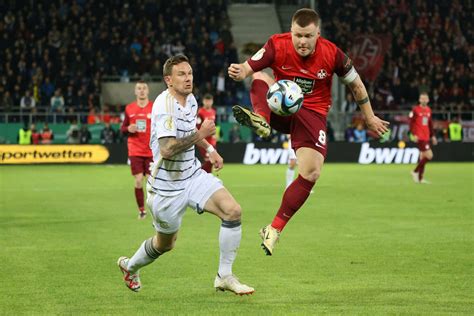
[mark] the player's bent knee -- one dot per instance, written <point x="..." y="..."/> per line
<point x="312" y="175"/>
<point x="234" y="212"/>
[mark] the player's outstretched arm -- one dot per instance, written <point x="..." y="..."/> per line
<point x="362" y="98"/>
<point x="170" y="146"/>
<point x="216" y="160"/>
<point x="239" y="72"/>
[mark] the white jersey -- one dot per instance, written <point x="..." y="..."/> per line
<point x="170" y="119"/>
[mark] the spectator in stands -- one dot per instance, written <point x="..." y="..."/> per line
<point x="24" y="135"/>
<point x="57" y="102"/>
<point x="35" y="135"/>
<point x="360" y="134"/>
<point x="93" y="117"/>
<point x="27" y="103"/>
<point x="47" y="135"/>
<point x="349" y="134"/>
<point x="349" y="105"/>
<point x="108" y="134"/>
<point x="105" y="117"/>
<point x="47" y="89"/>
<point x="455" y="130"/>
<point x="6" y="103"/>
<point x="73" y="133"/>
<point x="84" y="135"/>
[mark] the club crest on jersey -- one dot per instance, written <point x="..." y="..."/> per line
<point x="258" y="55"/>
<point x="322" y="74"/>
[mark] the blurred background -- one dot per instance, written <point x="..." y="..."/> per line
<point x="72" y="64"/>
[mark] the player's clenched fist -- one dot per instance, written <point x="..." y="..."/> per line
<point x="208" y="128"/>
<point x="236" y="72"/>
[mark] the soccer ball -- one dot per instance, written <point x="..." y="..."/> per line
<point x="285" y="97"/>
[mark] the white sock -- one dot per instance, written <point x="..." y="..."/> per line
<point x="290" y="175"/>
<point x="145" y="255"/>
<point x="229" y="242"/>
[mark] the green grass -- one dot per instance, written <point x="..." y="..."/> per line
<point x="369" y="241"/>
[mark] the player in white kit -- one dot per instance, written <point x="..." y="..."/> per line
<point x="177" y="181"/>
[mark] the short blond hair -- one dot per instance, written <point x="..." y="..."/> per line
<point x="172" y="61"/>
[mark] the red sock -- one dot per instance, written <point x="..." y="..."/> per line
<point x="258" y="96"/>
<point x="421" y="170"/>
<point x="294" y="197"/>
<point x="139" y="198"/>
<point x="207" y="166"/>
<point x="421" y="163"/>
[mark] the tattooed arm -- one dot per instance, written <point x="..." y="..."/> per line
<point x="170" y="146"/>
<point x="362" y="98"/>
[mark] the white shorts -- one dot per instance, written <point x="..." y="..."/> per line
<point x="168" y="211"/>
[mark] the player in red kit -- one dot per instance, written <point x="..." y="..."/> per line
<point x="310" y="61"/>
<point x="421" y="127"/>
<point x="207" y="112"/>
<point x="137" y="125"/>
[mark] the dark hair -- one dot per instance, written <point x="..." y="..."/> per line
<point x="208" y="96"/>
<point x="172" y="61"/>
<point x="304" y="17"/>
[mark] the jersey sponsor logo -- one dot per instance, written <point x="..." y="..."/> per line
<point x="286" y="67"/>
<point x="370" y="155"/>
<point x="258" y="55"/>
<point x="141" y="126"/>
<point x="319" y="145"/>
<point x="305" y="84"/>
<point x="321" y="74"/>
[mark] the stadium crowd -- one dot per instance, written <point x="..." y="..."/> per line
<point x="53" y="55"/>
<point x="431" y="48"/>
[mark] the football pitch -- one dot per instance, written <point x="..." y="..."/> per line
<point x="368" y="241"/>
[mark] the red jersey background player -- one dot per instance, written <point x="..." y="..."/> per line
<point x="311" y="61"/>
<point x="207" y="112"/>
<point x="421" y="128"/>
<point x="137" y="125"/>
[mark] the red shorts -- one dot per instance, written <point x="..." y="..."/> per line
<point x="424" y="145"/>
<point x="140" y="164"/>
<point x="307" y="129"/>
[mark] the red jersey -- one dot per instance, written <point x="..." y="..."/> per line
<point x="138" y="142"/>
<point x="210" y="115"/>
<point x="421" y="124"/>
<point x="312" y="73"/>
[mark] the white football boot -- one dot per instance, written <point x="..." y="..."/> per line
<point x="231" y="283"/>
<point x="269" y="237"/>
<point x="132" y="281"/>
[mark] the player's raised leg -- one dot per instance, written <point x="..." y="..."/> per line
<point x="223" y="205"/>
<point x="260" y="118"/>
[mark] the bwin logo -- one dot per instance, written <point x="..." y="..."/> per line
<point x="265" y="155"/>
<point x="387" y="155"/>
